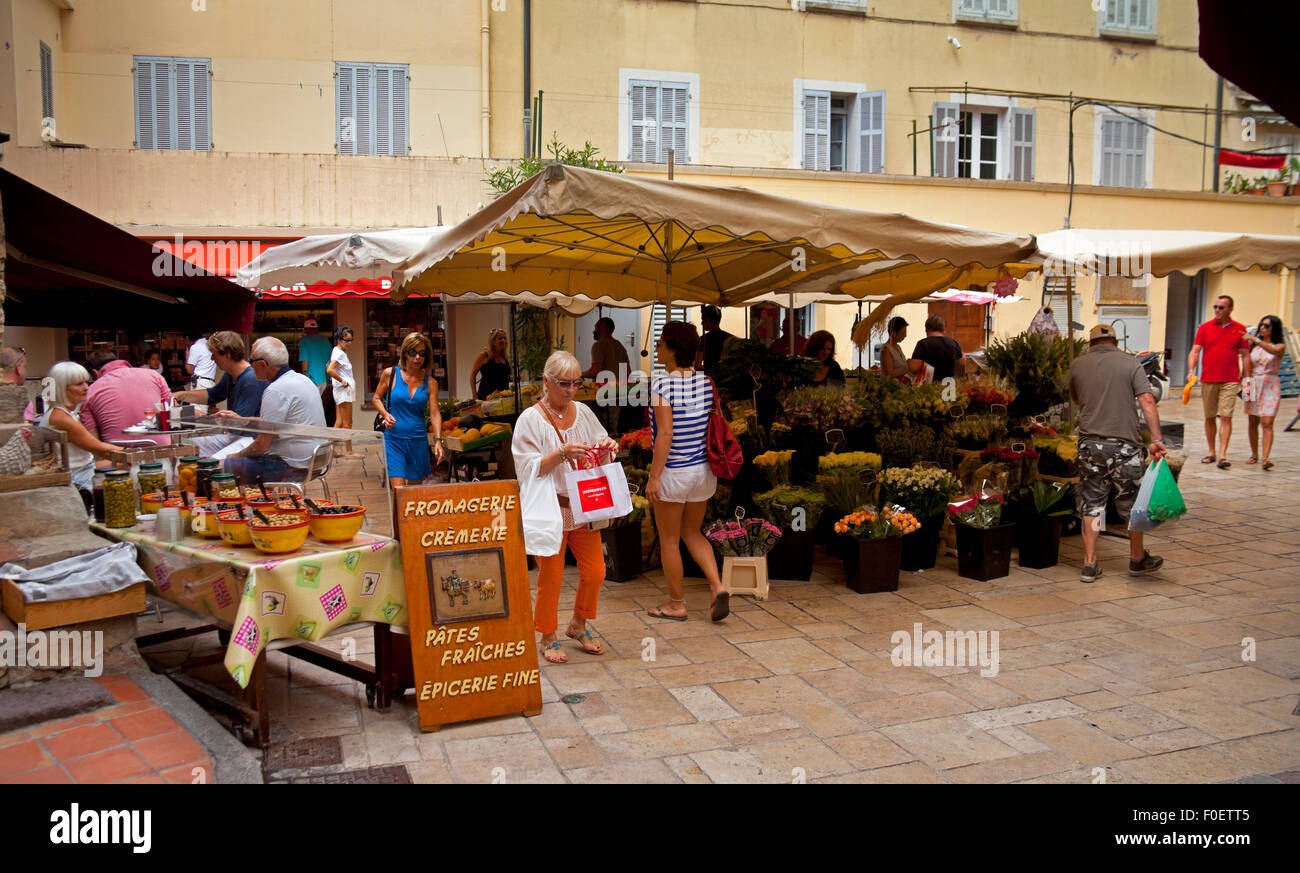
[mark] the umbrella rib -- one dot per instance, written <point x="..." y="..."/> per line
<point x="596" y="234"/>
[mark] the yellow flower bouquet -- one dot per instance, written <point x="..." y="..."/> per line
<point x="775" y="466"/>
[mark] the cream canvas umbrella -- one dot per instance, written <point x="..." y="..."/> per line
<point x="1135" y="253"/>
<point x="634" y="240"/>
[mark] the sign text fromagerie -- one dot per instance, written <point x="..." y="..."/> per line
<point x="467" y="593"/>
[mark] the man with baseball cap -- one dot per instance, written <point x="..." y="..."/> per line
<point x="1104" y="382"/>
<point x="314" y="353"/>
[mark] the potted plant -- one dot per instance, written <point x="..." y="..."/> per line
<point x="872" y="562"/>
<point x="1041" y="508"/>
<point x="1036" y="366"/>
<point x="1292" y="174"/>
<point x="743" y="544"/>
<point x="983" y="540"/>
<point x="1277" y="187"/>
<point x="848" y="481"/>
<point x="796" y="511"/>
<point x="775" y="466"/>
<point x="621" y="542"/>
<point x="924" y="492"/>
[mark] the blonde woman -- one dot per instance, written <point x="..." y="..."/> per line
<point x="551" y="436"/>
<point x="405" y="393"/>
<point x="493" y="364"/>
<point x="70" y="385"/>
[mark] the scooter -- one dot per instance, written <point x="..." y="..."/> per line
<point x="1158" y="378"/>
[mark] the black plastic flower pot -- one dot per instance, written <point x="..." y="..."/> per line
<point x="872" y="565"/>
<point x="920" y="547"/>
<point x="984" y="554"/>
<point x="791" y="558"/>
<point x="622" y="547"/>
<point x="1039" y="540"/>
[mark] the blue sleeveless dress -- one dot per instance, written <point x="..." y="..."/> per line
<point x="406" y="444"/>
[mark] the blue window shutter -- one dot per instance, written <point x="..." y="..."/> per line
<point x="383" y="108"/>
<point x="364" y="128"/>
<point x="644" y="115"/>
<point x="816" y="130"/>
<point x="871" y="142"/>
<point x="945" y="139"/>
<point x="184" y="108"/>
<point x="202" y="89"/>
<point x="674" y="106"/>
<point x="345" y="89"/>
<point x="400" y="102"/>
<point x="1023" y="132"/>
<point x="144" y="113"/>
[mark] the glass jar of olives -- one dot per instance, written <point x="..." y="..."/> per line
<point x="226" y="486"/>
<point x="187" y="474"/>
<point x="119" y="499"/>
<point x="151" y="477"/>
<point x="207" y="468"/>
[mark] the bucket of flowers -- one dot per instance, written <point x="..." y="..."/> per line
<point x="876" y="536"/>
<point x="775" y="466"/>
<point x="983" y="541"/>
<point x="925" y="491"/>
<point x="796" y="510"/>
<point x="743" y="544"/>
<point x="639" y="447"/>
<point x="622" y="542"/>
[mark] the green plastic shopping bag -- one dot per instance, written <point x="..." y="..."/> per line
<point x="1166" y="500"/>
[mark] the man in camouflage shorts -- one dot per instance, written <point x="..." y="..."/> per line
<point x="1104" y="382"/>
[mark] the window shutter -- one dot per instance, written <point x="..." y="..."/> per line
<point x="383" y="108"/>
<point x="364" y="126"/>
<point x="164" y="114"/>
<point x="144" y="130"/>
<point x="184" y="105"/>
<point x="345" y="90"/>
<point x="817" y="130"/>
<point x="871" y="143"/>
<point x="202" y="90"/>
<point x="400" y="96"/>
<point x="661" y="314"/>
<point x="644" y="141"/>
<point x="1004" y="9"/>
<point x="1022" y="144"/>
<point x="972" y="7"/>
<point x="1113" y="12"/>
<point x="1054" y="296"/>
<point x="945" y="139"/>
<point x="47" y="82"/>
<point x="1123" y="152"/>
<point x="673" y="106"/>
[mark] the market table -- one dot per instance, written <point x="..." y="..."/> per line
<point x="302" y="596"/>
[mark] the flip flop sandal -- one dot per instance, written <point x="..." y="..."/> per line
<point x="546" y="653"/>
<point x="659" y="613"/>
<point x="586" y="635"/>
<point x="1267" y="465"/>
<point x="721" y="606"/>
<point x="1224" y="463"/>
<point x="1252" y="460"/>
<point x="1208" y="459"/>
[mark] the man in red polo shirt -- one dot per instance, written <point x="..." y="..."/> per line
<point x="1226" y="358"/>
<point x="120" y="397"/>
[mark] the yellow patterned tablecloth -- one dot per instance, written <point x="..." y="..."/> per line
<point x="305" y="594"/>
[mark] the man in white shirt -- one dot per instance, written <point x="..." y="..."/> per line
<point x="200" y="366"/>
<point x="291" y="398"/>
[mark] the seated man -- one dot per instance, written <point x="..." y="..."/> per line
<point x="290" y="398"/>
<point x="120" y="397"/>
<point x="239" y="387"/>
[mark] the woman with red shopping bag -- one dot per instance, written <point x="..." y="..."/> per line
<point x="681" y="481"/>
<point x="551" y="437"/>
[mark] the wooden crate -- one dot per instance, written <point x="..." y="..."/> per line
<point x="48" y="614"/>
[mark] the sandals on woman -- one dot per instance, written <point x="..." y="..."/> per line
<point x="1267" y="465"/>
<point x="1208" y="459"/>
<point x="583" y="639"/>
<point x="552" y="653"/>
<point x="1252" y="460"/>
<point x="1224" y="463"/>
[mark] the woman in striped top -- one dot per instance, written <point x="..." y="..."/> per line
<point x="681" y="482"/>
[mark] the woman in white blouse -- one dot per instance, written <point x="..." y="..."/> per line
<point x="551" y="436"/>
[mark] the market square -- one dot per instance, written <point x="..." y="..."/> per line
<point x="850" y="426"/>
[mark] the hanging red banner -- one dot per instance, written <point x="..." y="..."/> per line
<point x="1229" y="158"/>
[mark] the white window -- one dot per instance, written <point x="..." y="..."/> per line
<point x="839" y="126"/>
<point x="47" y="82"/>
<point x="658" y="110"/>
<point x="1122" y="153"/>
<point x="372" y="109"/>
<point x="173" y="105"/>
<point x="854" y="6"/>
<point x="983" y="141"/>
<point x="1127" y="17"/>
<point x="1054" y="296"/>
<point x="992" y="11"/>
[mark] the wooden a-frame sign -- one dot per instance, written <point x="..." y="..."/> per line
<point x="471" y="616"/>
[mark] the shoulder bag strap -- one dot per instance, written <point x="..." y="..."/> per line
<point x="392" y="380"/>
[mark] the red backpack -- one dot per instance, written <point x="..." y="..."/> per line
<point x="725" y="457"/>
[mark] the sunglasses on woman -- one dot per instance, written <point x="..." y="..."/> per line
<point x="567" y="384"/>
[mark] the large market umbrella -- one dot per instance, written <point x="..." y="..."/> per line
<point x="334" y="257"/>
<point x="608" y="235"/>
<point x="1135" y="253"/>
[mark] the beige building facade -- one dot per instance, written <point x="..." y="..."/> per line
<point x="244" y="120"/>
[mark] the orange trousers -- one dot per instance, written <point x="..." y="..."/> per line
<point x="585" y="544"/>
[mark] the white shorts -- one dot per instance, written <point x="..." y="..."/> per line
<point x="344" y="395"/>
<point x="687" y="484"/>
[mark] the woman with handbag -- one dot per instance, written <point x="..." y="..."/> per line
<point x="551" y="436"/>
<point x="681" y="481"/>
<point x="1262" y="388"/>
<point x="404" y="396"/>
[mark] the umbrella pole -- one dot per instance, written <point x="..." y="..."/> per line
<point x="514" y="348"/>
<point x="1069" y="335"/>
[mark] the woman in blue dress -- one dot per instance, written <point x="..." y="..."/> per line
<point x="403" y="398"/>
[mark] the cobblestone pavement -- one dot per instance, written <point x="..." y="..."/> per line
<point x="1189" y="675"/>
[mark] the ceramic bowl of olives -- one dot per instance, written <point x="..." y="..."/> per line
<point x="234" y="528"/>
<point x="336" y="524"/>
<point x="281" y="532"/>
